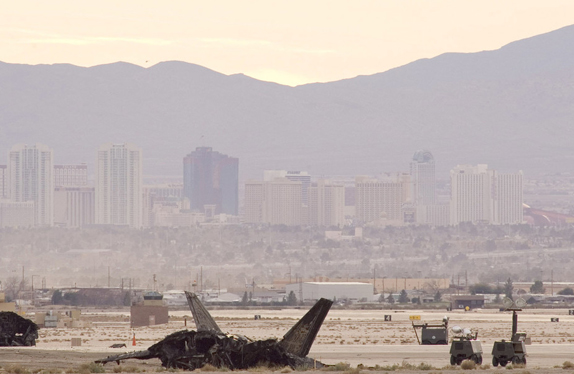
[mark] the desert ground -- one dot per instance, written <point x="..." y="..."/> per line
<point x="356" y="337"/>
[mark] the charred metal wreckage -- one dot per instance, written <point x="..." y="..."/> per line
<point x="190" y="349"/>
<point x="16" y="330"/>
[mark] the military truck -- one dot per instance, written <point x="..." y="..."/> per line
<point x="465" y="346"/>
<point x="432" y="334"/>
<point x="514" y="350"/>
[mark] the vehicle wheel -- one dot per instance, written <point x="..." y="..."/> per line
<point x="479" y="360"/>
<point x="494" y="362"/>
<point x="459" y="361"/>
<point x="474" y="358"/>
<point x="524" y="360"/>
<point x="516" y="360"/>
<point x="452" y="360"/>
<point x="503" y="363"/>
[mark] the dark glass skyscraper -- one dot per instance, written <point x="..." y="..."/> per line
<point x="211" y="178"/>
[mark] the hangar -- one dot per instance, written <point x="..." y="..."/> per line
<point x="308" y="291"/>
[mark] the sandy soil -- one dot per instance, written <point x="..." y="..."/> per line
<point x="352" y="336"/>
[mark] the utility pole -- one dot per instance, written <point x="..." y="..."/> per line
<point x="552" y="281"/>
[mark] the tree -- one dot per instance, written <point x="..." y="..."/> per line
<point x="291" y="299"/>
<point x="391" y="299"/>
<point x="403" y="298"/>
<point x="480" y="288"/>
<point x="127" y="298"/>
<point x="244" y="299"/>
<point x="566" y="291"/>
<point x="508" y="288"/>
<point x="437" y="297"/>
<point x="57" y="298"/>
<point x="537" y="287"/>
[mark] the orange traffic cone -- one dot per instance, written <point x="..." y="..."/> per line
<point x="134" y="340"/>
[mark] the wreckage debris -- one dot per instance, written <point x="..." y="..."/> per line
<point x="16" y="330"/>
<point x="118" y="345"/>
<point x="189" y="349"/>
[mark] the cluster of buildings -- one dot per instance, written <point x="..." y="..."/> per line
<point x="478" y="195"/>
<point x="35" y="192"/>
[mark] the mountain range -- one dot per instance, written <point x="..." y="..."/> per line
<point x="512" y="108"/>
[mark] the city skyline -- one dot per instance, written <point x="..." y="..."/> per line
<point x="210" y="188"/>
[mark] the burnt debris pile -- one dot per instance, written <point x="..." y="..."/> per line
<point x="16" y="330"/>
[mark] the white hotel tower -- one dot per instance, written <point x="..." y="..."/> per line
<point x="479" y="194"/>
<point x="119" y="185"/>
<point x="30" y="175"/>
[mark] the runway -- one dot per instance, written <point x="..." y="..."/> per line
<point x="540" y="355"/>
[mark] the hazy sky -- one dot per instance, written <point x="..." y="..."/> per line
<point x="289" y="42"/>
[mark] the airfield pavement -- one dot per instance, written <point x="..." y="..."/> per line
<point x="351" y="336"/>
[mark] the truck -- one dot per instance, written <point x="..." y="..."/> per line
<point x="514" y="350"/>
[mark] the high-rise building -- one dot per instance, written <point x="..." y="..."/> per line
<point x="211" y="178"/>
<point x="253" y="202"/>
<point x="326" y="204"/>
<point x="295" y="176"/>
<point x="3" y="181"/>
<point x="276" y="202"/>
<point x="470" y="198"/>
<point x="30" y="173"/>
<point x="479" y="194"/>
<point x="71" y="175"/>
<point x="508" y="199"/>
<point x="423" y="191"/>
<point x="378" y="200"/>
<point x="74" y="206"/>
<point x="118" y="178"/>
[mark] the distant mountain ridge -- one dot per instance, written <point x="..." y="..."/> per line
<point x="512" y="108"/>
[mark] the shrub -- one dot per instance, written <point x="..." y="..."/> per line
<point x="92" y="367"/>
<point x="468" y="365"/>
<point x="568" y="365"/>
<point x="16" y="369"/>
<point x="208" y="367"/>
<point x="340" y="366"/>
<point x="425" y="366"/>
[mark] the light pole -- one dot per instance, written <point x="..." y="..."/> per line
<point x="33" y="292"/>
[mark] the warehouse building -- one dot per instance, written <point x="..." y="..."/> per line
<point x="309" y="291"/>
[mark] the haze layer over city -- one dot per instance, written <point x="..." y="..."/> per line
<point x="250" y="153"/>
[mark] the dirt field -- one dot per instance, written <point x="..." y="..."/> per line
<point x="356" y="337"/>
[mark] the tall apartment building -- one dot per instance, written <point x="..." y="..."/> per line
<point x="30" y="174"/>
<point x="294" y="176"/>
<point x="379" y="200"/>
<point x="3" y="181"/>
<point x="479" y="194"/>
<point x="118" y="178"/>
<point x="326" y="205"/>
<point x="74" y="206"/>
<point x="211" y="178"/>
<point x="276" y="202"/>
<point x="71" y="175"/>
<point x="471" y="194"/>
<point x="423" y="182"/>
<point x="508" y="199"/>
